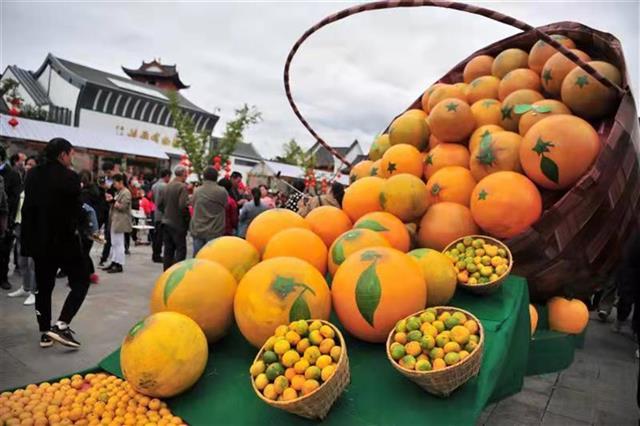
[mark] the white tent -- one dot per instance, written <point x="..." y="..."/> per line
<point x="270" y="169"/>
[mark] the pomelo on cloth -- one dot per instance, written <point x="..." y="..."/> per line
<point x="350" y="242"/>
<point x="234" y="253"/>
<point x="200" y="289"/>
<point x="404" y="196"/>
<point x="439" y="275"/>
<point x="569" y="316"/>
<point x="389" y="226"/>
<point x="362" y="197"/>
<point x="368" y="296"/>
<point x="328" y="223"/>
<point x="269" y="223"/>
<point x="443" y="223"/>
<point x="278" y="291"/>
<point x="301" y="243"/>
<point x="164" y="354"/>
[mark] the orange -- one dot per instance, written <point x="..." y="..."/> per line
<point x="505" y="204"/>
<point x="424" y="100"/>
<point x="439" y="274"/>
<point x="541" y="51"/>
<point x="443" y="223"/>
<point x="480" y="133"/>
<point x="415" y="113"/>
<point x="388" y="226"/>
<point x="235" y="254"/>
<point x="586" y="96"/>
<point x="556" y="69"/>
<point x="497" y="151"/>
<point x="375" y="168"/>
<point x="279" y="291"/>
<point x="269" y="223"/>
<point x="509" y="60"/>
<point x="301" y="243"/>
<point x="379" y="146"/>
<point x="433" y="141"/>
<point x="404" y="196"/>
<point x="451" y="120"/>
<point x="200" y="289"/>
<point x="521" y="78"/>
<point x="362" y="197"/>
<point x="402" y="158"/>
<point x="443" y="92"/>
<point x="368" y="297"/>
<point x="510" y="118"/>
<point x="360" y="170"/>
<point x="410" y="128"/>
<point x="477" y="67"/>
<point x="350" y="242"/>
<point x="485" y="87"/>
<point x="569" y="316"/>
<point x="164" y="354"/>
<point x="328" y="223"/>
<point x="540" y="110"/>
<point x="558" y="150"/>
<point x="533" y="318"/>
<point x="487" y="112"/>
<point x="443" y="155"/>
<point x="452" y="183"/>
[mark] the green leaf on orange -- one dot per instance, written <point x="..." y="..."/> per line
<point x="371" y="224"/>
<point x="383" y="200"/>
<point x="541" y="109"/>
<point x="368" y="293"/>
<point x="337" y="253"/>
<point x="522" y="108"/>
<point x="176" y="278"/>
<point x="370" y="255"/>
<point x="299" y="309"/>
<point x="549" y="169"/>
<point x="282" y="286"/>
<point x="134" y="330"/>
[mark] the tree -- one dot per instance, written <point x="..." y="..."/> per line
<point x="294" y="154"/>
<point x="195" y="144"/>
<point x="234" y="130"/>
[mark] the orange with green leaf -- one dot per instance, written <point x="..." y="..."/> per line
<point x="531" y="114"/>
<point x="510" y="118"/>
<point x="350" y="242"/>
<point x="387" y="225"/>
<point x="480" y="133"/>
<point x="496" y="152"/>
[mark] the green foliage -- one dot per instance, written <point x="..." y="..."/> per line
<point x="194" y="144"/>
<point x="295" y="155"/>
<point x="234" y="130"/>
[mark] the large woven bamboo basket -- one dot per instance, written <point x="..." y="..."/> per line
<point x="443" y="382"/>
<point x="317" y="404"/>
<point x="583" y="231"/>
<point x="491" y="286"/>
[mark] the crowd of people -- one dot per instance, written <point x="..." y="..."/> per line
<point x="51" y="216"/>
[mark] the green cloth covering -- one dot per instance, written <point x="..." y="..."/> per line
<point x="378" y="394"/>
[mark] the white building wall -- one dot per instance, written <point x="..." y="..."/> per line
<point x="242" y="168"/>
<point x="125" y="126"/>
<point x="22" y="92"/>
<point x="60" y="91"/>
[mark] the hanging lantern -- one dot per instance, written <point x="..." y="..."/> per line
<point x="16" y="102"/>
<point x="14" y="112"/>
<point x="324" y="185"/>
<point x="13" y="122"/>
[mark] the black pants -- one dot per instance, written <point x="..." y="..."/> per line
<point x="72" y="262"/>
<point x="107" y="245"/>
<point x="87" y="244"/>
<point x="175" y="246"/>
<point x="6" y="245"/>
<point x="157" y="241"/>
<point x="127" y="241"/>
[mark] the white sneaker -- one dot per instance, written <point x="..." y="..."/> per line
<point x="30" y="300"/>
<point x="18" y="293"/>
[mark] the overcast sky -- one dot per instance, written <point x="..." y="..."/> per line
<point x="349" y="79"/>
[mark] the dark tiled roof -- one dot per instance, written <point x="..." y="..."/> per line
<point x="167" y="71"/>
<point x="245" y="150"/>
<point x="26" y="79"/>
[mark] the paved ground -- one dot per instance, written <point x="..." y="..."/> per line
<point x="599" y="388"/>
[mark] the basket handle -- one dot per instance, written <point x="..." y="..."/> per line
<point x="391" y="4"/>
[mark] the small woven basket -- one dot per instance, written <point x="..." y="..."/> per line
<point x="317" y="404"/>
<point x="491" y="286"/>
<point x="443" y="382"/>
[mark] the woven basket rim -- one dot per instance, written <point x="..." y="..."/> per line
<point x="494" y="240"/>
<point x="449" y="367"/>
<point x="283" y="404"/>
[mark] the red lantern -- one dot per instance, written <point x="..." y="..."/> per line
<point x="16" y="101"/>
<point x="324" y="185"/>
<point x="13" y="122"/>
<point x="14" y="112"/>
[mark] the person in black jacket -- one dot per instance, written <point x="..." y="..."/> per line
<point x="51" y="215"/>
<point x="13" y="188"/>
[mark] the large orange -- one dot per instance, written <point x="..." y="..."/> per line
<point x="328" y="223"/>
<point x="413" y="112"/>
<point x="443" y="223"/>
<point x="521" y="78"/>
<point x="443" y="155"/>
<point x="387" y="225"/>
<point x="485" y="87"/>
<point x="446" y="92"/>
<point x="480" y="133"/>
<point x="451" y="120"/>
<point x="200" y="289"/>
<point x="439" y="275"/>
<point x="379" y="146"/>
<point x="350" y="242"/>
<point x="368" y="296"/>
<point x="509" y="60"/>
<point x="558" y="150"/>
<point x="278" y="291"/>
<point x="487" y="112"/>
<point x="452" y="183"/>
<point x="541" y="51"/>
<point x="301" y="243"/>
<point x="164" y="354"/>
<point x="504" y="204"/>
<point x="404" y="196"/>
<point x="424" y="100"/>
<point x="269" y="223"/>
<point x="360" y="170"/>
<point x="410" y="128"/>
<point x="569" y="316"/>
<point x="235" y="254"/>
<point x="510" y="118"/>
<point x="556" y="69"/>
<point x="496" y="152"/>
<point x="539" y="111"/>
<point x="402" y="158"/>
<point x="477" y="67"/>
<point x="586" y="96"/>
<point x="362" y="197"/>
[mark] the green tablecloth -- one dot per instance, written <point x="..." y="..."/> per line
<point x="377" y="393"/>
